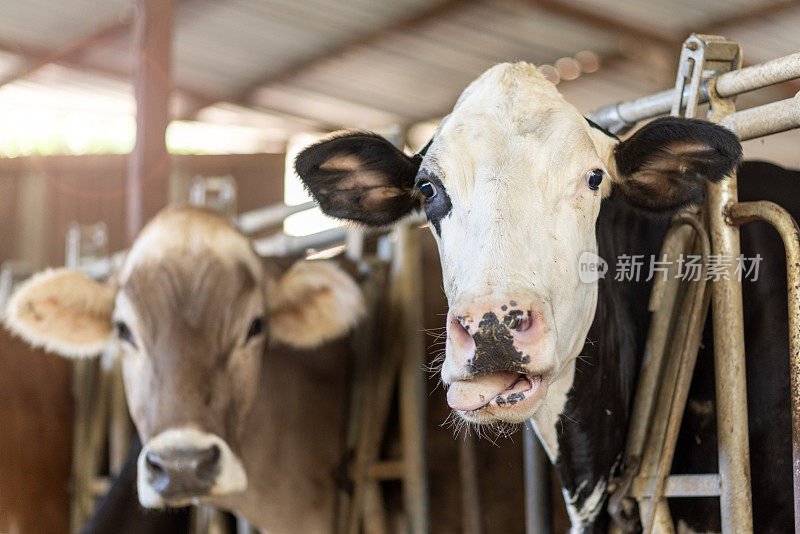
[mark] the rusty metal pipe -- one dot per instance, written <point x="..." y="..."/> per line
<point x="786" y="226"/>
<point x="731" y="386"/>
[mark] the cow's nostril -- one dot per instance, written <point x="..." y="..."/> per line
<point x="459" y="329"/>
<point x="207" y="466"/>
<point x="153" y="463"/>
<point x="523" y="323"/>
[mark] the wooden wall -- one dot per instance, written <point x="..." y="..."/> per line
<point x="39" y="196"/>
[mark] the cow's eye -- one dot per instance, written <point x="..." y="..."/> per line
<point x="124" y="333"/>
<point x="427" y="189"/>
<point x="593" y="179"/>
<point x="256" y="327"/>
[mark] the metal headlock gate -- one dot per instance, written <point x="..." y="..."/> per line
<point x="709" y="71"/>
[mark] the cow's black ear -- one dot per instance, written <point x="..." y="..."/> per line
<point x="360" y="177"/>
<point x="664" y="165"/>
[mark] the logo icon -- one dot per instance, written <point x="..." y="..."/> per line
<point x="591" y="267"/>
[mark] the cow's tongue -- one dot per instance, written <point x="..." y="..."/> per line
<point x="472" y="394"/>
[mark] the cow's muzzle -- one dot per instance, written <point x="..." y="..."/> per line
<point x="178" y="473"/>
<point x="498" y="360"/>
<point x="183" y="465"/>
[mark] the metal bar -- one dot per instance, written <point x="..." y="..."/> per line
<point x="537" y="491"/>
<point x="255" y="221"/>
<point x="411" y="386"/>
<point x="280" y="244"/>
<point x="786" y="226"/>
<point x="622" y="115"/>
<point x="765" y="120"/>
<point x="679" y="486"/>
<point x="755" y="77"/>
<point x="729" y="363"/>
<point x="733" y="439"/>
<point x="470" y="486"/>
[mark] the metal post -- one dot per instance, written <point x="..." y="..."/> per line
<point x="148" y="165"/>
<point x="411" y="390"/>
<point x="470" y="486"/>
<point x="538" y="519"/>
<point x="786" y="226"/>
<point x="736" y="506"/>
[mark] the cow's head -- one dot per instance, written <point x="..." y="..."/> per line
<point x="192" y="310"/>
<point x="512" y="184"/>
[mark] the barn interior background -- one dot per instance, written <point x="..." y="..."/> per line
<point x="229" y="90"/>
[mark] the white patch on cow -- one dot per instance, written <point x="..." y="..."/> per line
<point x="512" y="157"/>
<point x="545" y="421"/>
<point x="231" y="479"/>
<point x="182" y="231"/>
<point x="584" y="513"/>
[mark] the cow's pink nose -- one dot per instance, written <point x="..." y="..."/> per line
<point x="487" y="338"/>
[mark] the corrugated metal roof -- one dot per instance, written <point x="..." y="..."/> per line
<point x="54" y="23"/>
<point x="244" y="50"/>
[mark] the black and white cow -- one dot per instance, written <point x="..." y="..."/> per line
<point x="517" y="185"/>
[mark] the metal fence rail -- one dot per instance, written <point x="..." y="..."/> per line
<point x="621" y="116"/>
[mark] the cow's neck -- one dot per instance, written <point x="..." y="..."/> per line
<point x="585" y="424"/>
<point x="292" y="442"/>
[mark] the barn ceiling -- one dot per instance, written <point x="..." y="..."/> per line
<point x="372" y="63"/>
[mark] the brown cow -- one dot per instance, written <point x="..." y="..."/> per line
<point x="224" y="419"/>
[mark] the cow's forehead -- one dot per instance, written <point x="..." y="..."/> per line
<point x="188" y="296"/>
<point x="509" y="116"/>
<point x="189" y="231"/>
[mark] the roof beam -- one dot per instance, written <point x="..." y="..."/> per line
<point x="39" y="59"/>
<point x="439" y="9"/>
<point x="122" y="74"/>
<point x="603" y="22"/>
<point x="757" y="12"/>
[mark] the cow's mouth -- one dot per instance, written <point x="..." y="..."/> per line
<point x="496" y="392"/>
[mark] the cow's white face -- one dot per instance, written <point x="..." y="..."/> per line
<point x="512" y="185"/>
<point x="512" y="210"/>
<point x="191" y="311"/>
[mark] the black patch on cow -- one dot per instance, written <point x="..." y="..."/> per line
<point x="598" y="127"/>
<point x="592" y="429"/>
<point x="665" y="164"/>
<point x="593" y="426"/>
<point x="360" y="177"/>
<point x="494" y="347"/>
<point x="437" y="207"/>
<point x="511" y="398"/>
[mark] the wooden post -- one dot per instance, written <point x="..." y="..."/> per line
<point x="148" y="166"/>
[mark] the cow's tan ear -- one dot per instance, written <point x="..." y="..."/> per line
<point x="313" y="302"/>
<point x="62" y="311"/>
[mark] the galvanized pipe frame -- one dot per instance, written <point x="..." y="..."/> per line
<point x="621" y="116"/>
<point x="784" y="223"/>
<point x="748" y="124"/>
